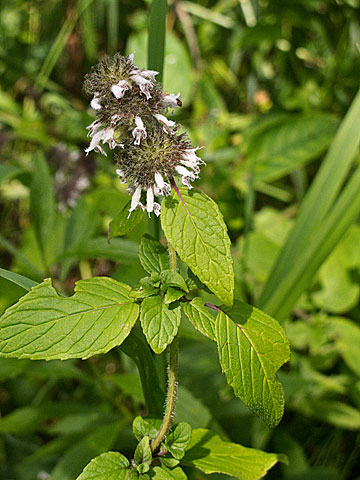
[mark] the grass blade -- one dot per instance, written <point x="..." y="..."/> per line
<point x="317" y="203"/>
<point x="301" y="275"/>
<point x="60" y="42"/>
<point x="156" y="41"/>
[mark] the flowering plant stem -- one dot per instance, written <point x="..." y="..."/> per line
<point x="173" y="366"/>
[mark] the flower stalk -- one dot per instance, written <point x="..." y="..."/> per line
<point x="173" y="367"/>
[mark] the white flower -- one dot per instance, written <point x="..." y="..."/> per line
<point x="120" y="88"/>
<point x="157" y="208"/>
<point x="163" y="188"/>
<point x="142" y="83"/>
<point x="139" y="132"/>
<point x="166" y="123"/>
<point x="171" y="100"/>
<point x="149" y="200"/>
<point x="95" y="104"/>
<point x="135" y="200"/>
<point x="187" y="176"/>
<point x="149" y="74"/>
<point x="106" y="135"/>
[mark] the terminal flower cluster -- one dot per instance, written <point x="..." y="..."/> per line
<point x="131" y="118"/>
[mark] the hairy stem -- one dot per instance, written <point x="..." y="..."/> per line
<point x="173" y="363"/>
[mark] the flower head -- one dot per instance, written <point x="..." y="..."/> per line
<point x="130" y="104"/>
<point x="150" y="165"/>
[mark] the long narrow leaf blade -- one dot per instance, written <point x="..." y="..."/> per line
<point x="317" y="202"/>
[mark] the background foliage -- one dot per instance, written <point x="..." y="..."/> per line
<point x="265" y="86"/>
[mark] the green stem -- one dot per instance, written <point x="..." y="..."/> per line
<point x="173" y="366"/>
<point x="173" y="356"/>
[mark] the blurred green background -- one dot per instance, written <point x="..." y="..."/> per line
<point x="265" y="85"/>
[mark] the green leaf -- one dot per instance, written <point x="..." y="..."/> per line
<point x="42" y="201"/>
<point x="200" y="317"/>
<point x="24" y="282"/>
<point x="347" y="339"/>
<point x="136" y="347"/>
<point x="156" y="42"/>
<point x="191" y="409"/>
<point x="7" y="172"/>
<point x="146" y="427"/>
<point x="164" y="473"/>
<point x="120" y="250"/>
<point x="196" y="230"/>
<point x="159" y="322"/>
<point x="301" y="244"/>
<point x="212" y="455"/>
<point x="123" y="223"/>
<point x="178" y="439"/>
<point x="170" y="278"/>
<point x="252" y="347"/>
<point x="108" y="466"/>
<point x="143" y="455"/>
<point x="43" y="325"/>
<point x="290" y="145"/>
<point x="172" y="294"/>
<point x="153" y="256"/>
<point x="144" y="289"/>
<point x="81" y="452"/>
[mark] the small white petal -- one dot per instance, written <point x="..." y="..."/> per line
<point x="166" y="122"/>
<point x="159" y="181"/>
<point x="149" y="74"/>
<point x="119" y="172"/>
<point x="157" y="208"/>
<point x="149" y="200"/>
<point x="182" y="171"/>
<point x="131" y="57"/>
<point x="139" y="132"/>
<point x="170" y="100"/>
<point x="120" y="88"/>
<point x="135" y="200"/>
<point x="95" y="104"/>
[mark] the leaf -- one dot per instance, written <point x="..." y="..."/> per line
<point x="172" y="294"/>
<point x="24" y="282"/>
<point x="173" y="279"/>
<point x="164" y="473"/>
<point x="136" y="347"/>
<point x="200" y="317"/>
<point x="156" y="41"/>
<point x="108" y="466"/>
<point x="290" y="145"/>
<point x="159" y="322"/>
<point x="120" y="250"/>
<point x="212" y="455"/>
<point x="143" y="455"/>
<point x="80" y="453"/>
<point x="347" y="339"/>
<point x="191" y="409"/>
<point x="42" y="201"/>
<point x="123" y="223"/>
<point x="43" y="325"/>
<point x="178" y="439"/>
<point x="252" y="347"/>
<point x="146" y="427"/>
<point x="317" y="204"/>
<point x="8" y="172"/>
<point x="198" y="233"/>
<point x="153" y="256"/>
